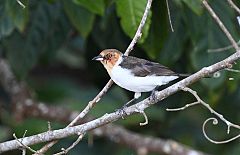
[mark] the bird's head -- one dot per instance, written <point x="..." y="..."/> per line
<point x="109" y="58"/>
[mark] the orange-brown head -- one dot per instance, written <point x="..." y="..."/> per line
<point x="108" y="58"/>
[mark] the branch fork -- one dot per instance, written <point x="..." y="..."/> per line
<point x="215" y="121"/>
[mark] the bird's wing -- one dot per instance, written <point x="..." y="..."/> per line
<point x="141" y="67"/>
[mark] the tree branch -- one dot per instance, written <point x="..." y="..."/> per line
<point x="121" y="135"/>
<point x="21" y="4"/>
<point x="169" y="16"/>
<point x="222" y="49"/>
<point x="234" y="6"/>
<point x="221" y="25"/>
<point x="65" y="151"/>
<point x="91" y="104"/>
<point x="138" y="33"/>
<point x="141" y="106"/>
<point x="108" y="118"/>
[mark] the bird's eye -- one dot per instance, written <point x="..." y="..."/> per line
<point x="108" y="56"/>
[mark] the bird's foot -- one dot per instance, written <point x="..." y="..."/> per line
<point x="121" y="111"/>
<point x="153" y="96"/>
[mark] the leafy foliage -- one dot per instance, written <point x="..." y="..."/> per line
<point x="81" y="19"/>
<point x="194" y="5"/>
<point x="95" y="6"/>
<point x="18" y="15"/>
<point x="49" y="44"/>
<point x="130" y="13"/>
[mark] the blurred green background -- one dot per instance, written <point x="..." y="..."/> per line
<point x="50" y="43"/>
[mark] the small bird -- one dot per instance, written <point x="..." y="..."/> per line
<point x="135" y="74"/>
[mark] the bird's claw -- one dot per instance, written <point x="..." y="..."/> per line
<point x="122" y="111"/>
<point x="153" y="96"/>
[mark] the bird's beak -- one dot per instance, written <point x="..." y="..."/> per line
<point x="98" y="58"/>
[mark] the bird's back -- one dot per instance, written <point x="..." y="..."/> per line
<point x="141" y="67"/>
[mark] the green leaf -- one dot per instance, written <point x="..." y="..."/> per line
<point x="24" y="51"/>
<point x="174" y="46"/>
<point x="20" y="59"/>
<point x="4" y="133"/>
<point x="130" y="13"/>
<point x="194" y="5"/>
<point x="81" y="18"/>
<point x="106" y="28"/>
<point x="6" y="25"/>
<point x="19" y="15"/>
<point x="95" y="6"/>
<point x="158" y="31"/>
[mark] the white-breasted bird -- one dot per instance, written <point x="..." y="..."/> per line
<point x="135" y="74"/>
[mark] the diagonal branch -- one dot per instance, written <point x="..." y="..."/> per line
<point x="169" y="16"/>
<point x="234" y="6"/>
<point x="65" y="151"/>
<point x="108" y="118"/>
<point x="220" y="116"/>
<point x="221" y="25"/>
<point x="91" y="104"/>
<point x="21" y="4"/>
<point x="138" y="33"/>
<point x="114" y="133"/>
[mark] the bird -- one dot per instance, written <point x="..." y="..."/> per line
<point x="135" y="74"/>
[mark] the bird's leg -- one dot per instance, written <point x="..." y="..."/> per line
<point x="122" y="111"/>
<point x="125" y="105"/>
<point x="153" y="96"/>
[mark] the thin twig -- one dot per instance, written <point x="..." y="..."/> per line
<point x="21" y="4"/>
<point x="49" y="126"/>
<point x="234" y="6"/>
<point x="215" y="122"/>
<point x="140" y="27"/>
<point x="183" y="108"/>
<point x="222" y="49"/>
<point x="24" y="151"/>
<point x="110" y="82"/>
<point x="194" y="93"/>
<point x="169" y="16"/>
<point x="220" y="116"/>
<point x="233" y="70"/>
<point x="146" y="119"/>
<point x="65" y="151"/>
<point x="23" y="145"/>
<point x="221" y="25"/>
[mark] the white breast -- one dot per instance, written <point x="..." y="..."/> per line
<point x="125" y="79"/>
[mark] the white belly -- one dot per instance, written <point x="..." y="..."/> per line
<point x="125" y="79"/>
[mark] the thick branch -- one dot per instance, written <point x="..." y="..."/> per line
<point x="108" y="118"/>
<point x="30" y="108"/>
<point x="113" y="132"/>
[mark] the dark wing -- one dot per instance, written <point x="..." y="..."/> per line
<point x="142" y="67"/>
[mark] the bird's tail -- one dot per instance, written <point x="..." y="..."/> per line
<point x="187" y="75"/>
<point x="184" y="75"/>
